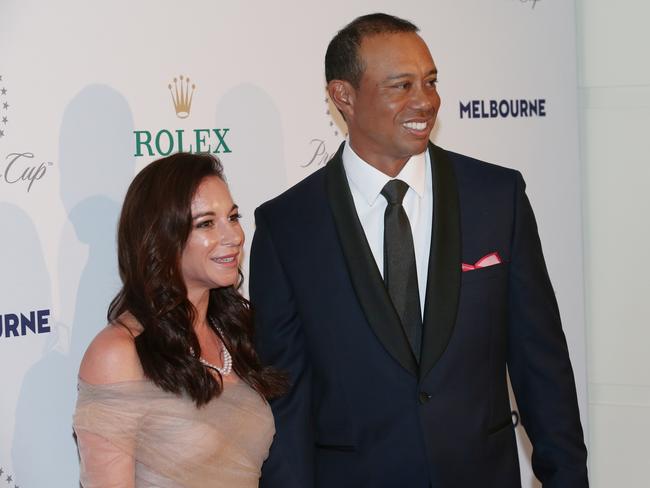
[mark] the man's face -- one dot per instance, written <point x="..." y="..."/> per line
<point x="392" y="112"/>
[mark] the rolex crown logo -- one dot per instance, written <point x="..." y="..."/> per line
<point x="182" y="96"/>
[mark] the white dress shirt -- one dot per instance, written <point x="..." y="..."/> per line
<point x="366" y="183"/>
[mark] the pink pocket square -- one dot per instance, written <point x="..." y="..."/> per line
<point x="488" y="260"/>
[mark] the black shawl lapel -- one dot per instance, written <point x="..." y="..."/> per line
<point x="443" y="280"/>
<point x="364" y="274"/>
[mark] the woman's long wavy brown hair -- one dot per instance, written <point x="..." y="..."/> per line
<point x="155" y="223"/>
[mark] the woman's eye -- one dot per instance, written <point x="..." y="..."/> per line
<point x="205" y="224"/>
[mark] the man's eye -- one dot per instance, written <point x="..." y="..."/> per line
<point x="235" y="217"/>
<point x="403" y="86"/>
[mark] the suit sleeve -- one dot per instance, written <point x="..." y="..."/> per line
<point x="281" y="343"/>
<point x="538" y="360"/>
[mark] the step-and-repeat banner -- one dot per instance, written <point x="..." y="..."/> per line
<point x="90" y="92"/>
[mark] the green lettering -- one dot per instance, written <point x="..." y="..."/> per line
<point x="221" y="138"/>
<point x="201" y="140"/>
<point x="139" y="142"/>
<point x="170" y="142"/>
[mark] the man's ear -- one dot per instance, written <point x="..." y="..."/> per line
<point x="342" y="94"/>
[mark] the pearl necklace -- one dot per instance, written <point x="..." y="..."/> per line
<point x="226" y="369"/>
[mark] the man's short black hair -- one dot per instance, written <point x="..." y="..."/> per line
<point x="342" y="60"/>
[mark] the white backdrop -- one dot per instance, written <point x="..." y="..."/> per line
<point x="81" y="81"/>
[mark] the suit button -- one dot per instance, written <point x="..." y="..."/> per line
<point x="424" y="397"/>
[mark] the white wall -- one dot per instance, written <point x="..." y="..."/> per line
<point x="80" y="78"/>
<point x="614" y="97"/>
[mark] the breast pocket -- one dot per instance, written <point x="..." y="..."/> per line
<point x="488" y="273"/>
<point x="481" y="324"/>
<point x="484" y="291"/>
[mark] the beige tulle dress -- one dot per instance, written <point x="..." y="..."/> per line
<point x="133" y="434"/>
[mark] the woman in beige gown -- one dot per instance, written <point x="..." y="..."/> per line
<point x="171" y="392"/>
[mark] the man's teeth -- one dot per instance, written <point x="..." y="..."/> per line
<point x="415" y="125"/>
<point x="224" y="260"/>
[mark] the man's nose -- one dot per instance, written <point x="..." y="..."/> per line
<point x="424" y="98"/>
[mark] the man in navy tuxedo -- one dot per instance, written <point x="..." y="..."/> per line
<point x="401" y="381"/>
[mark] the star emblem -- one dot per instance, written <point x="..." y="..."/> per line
<point x="5" y="120"/>
<point x="9" y="479"/>
<point x="3" y="91"/>
<point x="5" y="105"/>
<point x="1" y="470"/>
<point x="2" y="133"/>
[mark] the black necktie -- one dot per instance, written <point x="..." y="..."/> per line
<point x="400" y="272"/>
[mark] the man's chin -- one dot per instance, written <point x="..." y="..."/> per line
<point x="418" y="147"/>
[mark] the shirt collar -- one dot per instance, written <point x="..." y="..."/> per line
<point x="369" y="181"/>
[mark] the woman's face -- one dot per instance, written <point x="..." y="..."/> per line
<point x="212" y="252"/>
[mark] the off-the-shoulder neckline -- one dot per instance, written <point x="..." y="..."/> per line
<point x="81" y="381"/>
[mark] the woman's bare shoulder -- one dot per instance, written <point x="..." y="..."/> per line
<point x="112" y="357"/>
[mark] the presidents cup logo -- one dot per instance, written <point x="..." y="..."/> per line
<point x="8" y="478"/>
<point x="24" y="323"/>
<point x="163" y="142"/>
<point x="318" y="153"/>
<point x="532" y="3"/>
<point x="330" y="106"/>
<point x="18" y="167"/>
<point x="512" y="108"/>
<point x="4" y="119"/>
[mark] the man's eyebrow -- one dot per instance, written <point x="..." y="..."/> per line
<point x="398" y="76"/>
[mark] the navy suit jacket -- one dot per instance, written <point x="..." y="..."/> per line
<point x="362" y="411"/>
